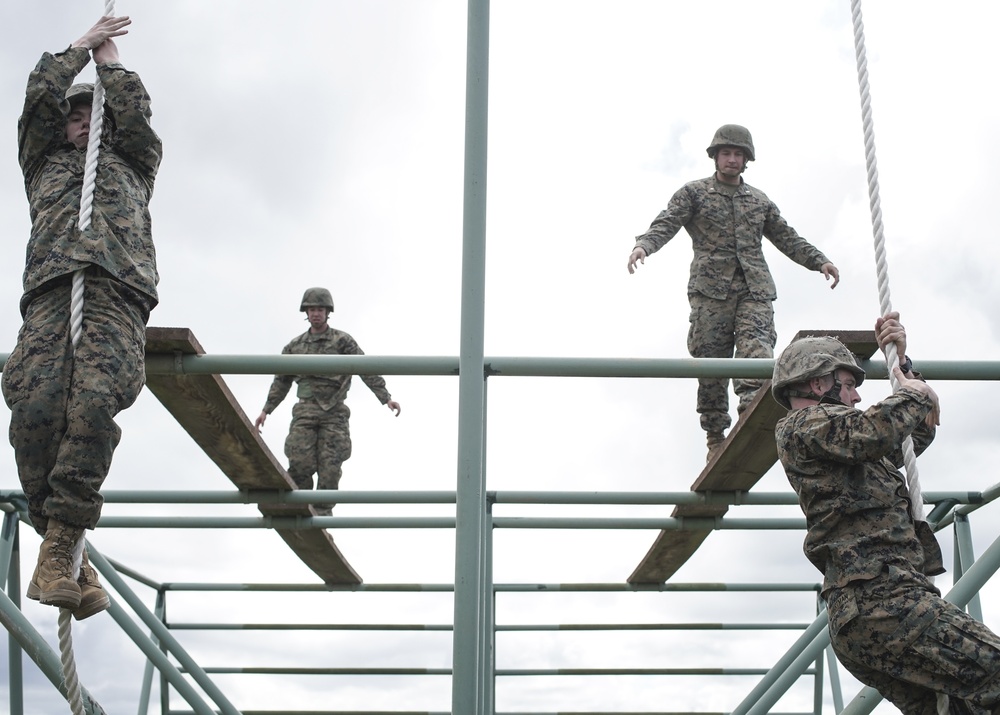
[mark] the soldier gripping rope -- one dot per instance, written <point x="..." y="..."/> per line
<point x="888" y="623"/>
<point x="319" y="438"/>
<point x="730" y="289"/>
<point x="63" y="400"/>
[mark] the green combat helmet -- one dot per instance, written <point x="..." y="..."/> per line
<point x="807" y="358"/>
<point x="732" y="135"/>
<point x="82" y="93"/>
<point x="316" y="298"/>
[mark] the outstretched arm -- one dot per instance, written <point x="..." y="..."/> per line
<point x="638" y="256"/>
<point x="830" y="271"/>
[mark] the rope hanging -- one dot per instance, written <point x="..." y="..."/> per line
<point x="885" y="305"/>
<point x="73" y="692"/>
<point x="87" y="197"/>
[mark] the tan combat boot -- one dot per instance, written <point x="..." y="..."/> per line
<point x="93" y="599"/>
<point x="715" y="440"/>
<point x="54" y="582"/>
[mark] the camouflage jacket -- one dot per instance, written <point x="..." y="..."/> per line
<point x="328" y="390"/>
<point x="119" y="238"/>
<point x="726" y="232"/>
<point x="842" y="462"/>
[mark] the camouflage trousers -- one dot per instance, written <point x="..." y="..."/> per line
<point x="719" y="328"/>
<point x="63" y="401"/>
<point x="318" y="442"/>
<point x="896" y="634"/>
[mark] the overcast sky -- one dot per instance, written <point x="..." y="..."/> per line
<point x="320" y="142"/>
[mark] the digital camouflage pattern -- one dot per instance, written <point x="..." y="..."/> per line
<point x="726" y="229"/>
<point x="732" y="135"/>
<point x="119" y="238"/>
<point x="63" y="403"/>
<point x="319" y="438"/>
<point x="730" y="286"/>
<point x="897" y="635"/>
<point x="318" y="442"/>
<point x="736" y="323"/>
<point x="888" y="623"/>
<point x="810" y="357"/>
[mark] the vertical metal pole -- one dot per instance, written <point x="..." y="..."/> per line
<point x="470" y="504"/>
<point x="965" y="555"/>
<point x="11" y="566"/>
<point x="147" y="673"/>
<point x="489" y="617"/>
<point x="818" y="685"/>
<point x="835" y="689"/>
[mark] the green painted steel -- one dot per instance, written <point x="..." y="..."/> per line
<point x="470" y="511"/>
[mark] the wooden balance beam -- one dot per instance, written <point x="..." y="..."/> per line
<point x="204" y="406"/>
<point x="747" y="454"/>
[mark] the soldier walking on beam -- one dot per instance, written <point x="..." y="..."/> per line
<point x="730" y="290"/>
<point x="319" y="439"/>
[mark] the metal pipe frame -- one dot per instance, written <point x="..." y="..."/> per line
<point x="806" y="660"/>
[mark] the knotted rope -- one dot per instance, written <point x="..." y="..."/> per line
<point x="885" y="305"/>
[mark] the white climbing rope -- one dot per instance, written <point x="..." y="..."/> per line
<point x="885" y="305"/>
<point x="73" y="694"/>
<point x="87" y="197"/>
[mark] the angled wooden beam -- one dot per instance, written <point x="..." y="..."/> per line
<point x="205" y="407"/>
<point x="747" y="454"/>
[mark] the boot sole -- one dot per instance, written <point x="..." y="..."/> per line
<point x="62" y="599"/>
<point x="91" y="609"/>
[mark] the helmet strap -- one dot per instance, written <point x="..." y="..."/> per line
<point x="833" y="394"/>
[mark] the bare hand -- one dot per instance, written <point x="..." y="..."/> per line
<point x="888" y="330"/>
<point x="259" y="422"/>
<point x="830" y="271"/>
<point x="638" y="255"/>
<point x="105" y="28"/>
<point x="394" y="406"/>
<point x="933" y="418"/>
<point x="106" y="53"/>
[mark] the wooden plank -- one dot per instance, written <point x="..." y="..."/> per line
<point x="205" y="407"/>
<point x="747" y="454"/>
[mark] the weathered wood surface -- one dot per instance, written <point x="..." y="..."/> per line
<point x="747" y="454"/>
<point x="204" y="406"/>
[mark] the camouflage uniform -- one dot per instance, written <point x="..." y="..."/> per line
<point x="888" y="623"/>
<point x="730" y="289"/>
<point x="63" y="404"/>
<point x="319" y="439"/>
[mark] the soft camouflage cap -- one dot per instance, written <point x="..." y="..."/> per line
<point x="807" y="358"/>
<point x="732" y="135"/>
<point x="82" y="93"/>
<point x="316" y="298"/>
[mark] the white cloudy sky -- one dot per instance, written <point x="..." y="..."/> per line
<point x="315" y="142"/>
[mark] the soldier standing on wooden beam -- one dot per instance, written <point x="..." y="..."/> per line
<point x="730" y="289"/>
<point x="319" y="439"/>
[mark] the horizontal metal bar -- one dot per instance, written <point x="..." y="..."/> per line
<point x="635" y="671"/>
<point x="309" y="627"/>
<point x="692" y="587"/>
<point x="447" y="365"/>
<point x="519" y="628"/>
<point x="326" y="671"/>
<point x="575" y="627"/>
